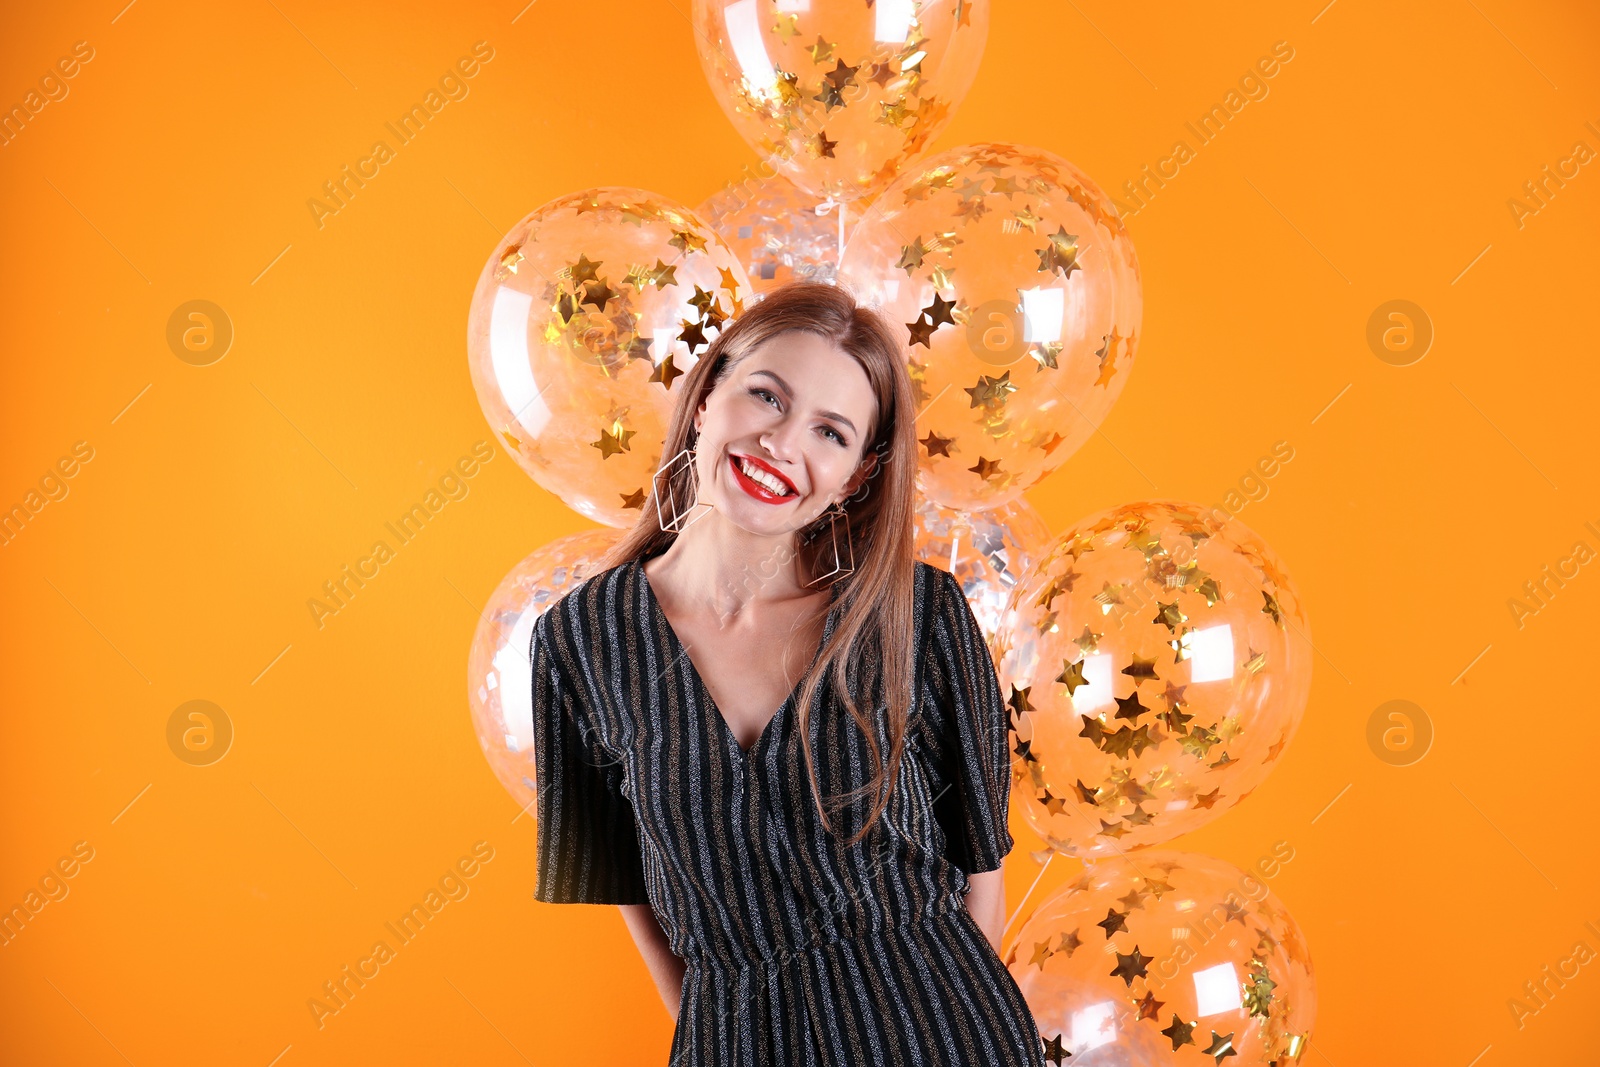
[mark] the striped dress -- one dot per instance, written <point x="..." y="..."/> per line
<point x="798" y="951"/>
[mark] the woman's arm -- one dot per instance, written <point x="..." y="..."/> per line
<point x="986" y="901"/>
<point x="665" y="967"/>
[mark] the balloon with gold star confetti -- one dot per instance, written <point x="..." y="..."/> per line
<point x="499" y="687"/>
<point x="1168" y="959"/>
<point x="1018" y="291"/>
<point x="838" y="95"/>
<point x="583" y="318"/>
<point x="988" y="551"/>
<point x="781" y="232"/>
<point x="1157" y="661"/>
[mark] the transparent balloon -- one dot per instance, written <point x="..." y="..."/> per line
<point x="499" y="679"/>
<point x="1158" y="662"/>
<point x="583" y="319"/>
<point x="989" y="551"/>
<point x="1167" y="959"/>
<point x="1017" y="291"/>
<point x="839" y="94"/>
<point x="780" y="232"/>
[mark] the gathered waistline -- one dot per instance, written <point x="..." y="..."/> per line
<point x="951" y="904"/>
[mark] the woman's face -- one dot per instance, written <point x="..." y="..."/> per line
<point x="781" y="439"/>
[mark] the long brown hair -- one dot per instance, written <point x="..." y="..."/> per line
<point x="871" y="645"/>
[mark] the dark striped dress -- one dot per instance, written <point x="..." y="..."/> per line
<point x="799" y="952"/>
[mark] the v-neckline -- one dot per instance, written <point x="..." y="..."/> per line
<point x="680" y="649"/>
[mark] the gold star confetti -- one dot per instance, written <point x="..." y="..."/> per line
<point x="1206" y="800"/>
<point x="692" y="335"/>
<point x="1141" y="669"/>
<point x="687" y="241"/>
<point x="986" y="469"/>
<point x="665" y="371"/>
<point x="1061" y="254"/>
<point x="820" y="51"/>
<point x="1071" y="676"/>
<point x="1047" y="353"/>
<point x="921" y="333"/>
<point x="510" y="258"/>
<point x="1149" y="1007"/>
<point x="1179" y="1032"/>
<point x="1088" y="641"/>
<point x="911" y="255"/>
<point x="939" y="311"/>
<point x="584" y="270"/>
<point x="892" y="113"/>
<point x="1258" y="990"/>
<point x="830" y="97"/>
<point x="936" y="445"/>
<point x="664" y="275"/>
<point x="1129" y="707"/>
<point x="1169" y="615"/>
<point x="1221" y="1047"/>
<point x="990" y="389"/>
<point x="566" y="307"/>
<point x="613" y="441"/>
<point x="1271" y="608"/>
<point x="841" y="76"/>
<point x="634" y="499"/>
<point x="1131" y="966"/>
<point x="822" y="148"/>
<point x="1114" y="921"/>
<point x="597" y="293"/>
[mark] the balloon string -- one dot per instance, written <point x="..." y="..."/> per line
<point x="825" y="207"/>
<point x="842" y="208"/>
<point x="1029" y="893"/>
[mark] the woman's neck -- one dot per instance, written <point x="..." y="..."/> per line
<point x="731" y="572"/>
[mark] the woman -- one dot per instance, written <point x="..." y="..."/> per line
<point x="819" y="883"/>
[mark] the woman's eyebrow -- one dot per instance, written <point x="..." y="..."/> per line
<point x="785" y="387"/>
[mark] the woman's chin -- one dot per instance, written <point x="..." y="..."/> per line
<point x="758" y="519"/>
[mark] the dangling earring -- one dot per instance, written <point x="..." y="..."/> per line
<point x="841" y="568"/>
<point x="677" y="524"/>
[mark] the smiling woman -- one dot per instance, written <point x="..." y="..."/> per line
<point x="777" y="739"/>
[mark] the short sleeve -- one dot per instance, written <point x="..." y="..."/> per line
<point x="588" y="842"/>
<point x="970" y="725"/>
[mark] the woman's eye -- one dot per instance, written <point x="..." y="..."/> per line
<point x="837" y="436"/>
<point x="763" y="393"/>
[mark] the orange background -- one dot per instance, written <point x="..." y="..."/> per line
<point x="219" y="498"/>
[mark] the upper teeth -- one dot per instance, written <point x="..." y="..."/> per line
<point x="756" y="474"/>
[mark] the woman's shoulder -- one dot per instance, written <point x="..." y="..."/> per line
<point x="932" y="581"/>
<point x="577" y="617"/>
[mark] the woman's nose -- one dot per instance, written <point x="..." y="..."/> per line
<point x="778" y="441"/>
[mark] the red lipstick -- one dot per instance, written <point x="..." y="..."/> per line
<point x="755" y="488"/>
